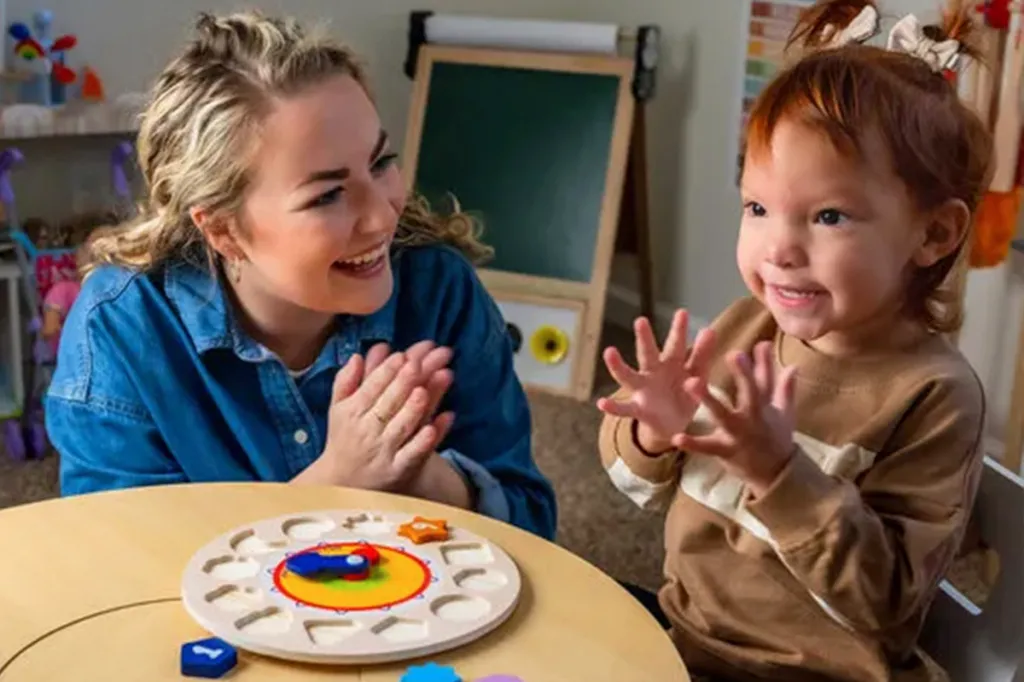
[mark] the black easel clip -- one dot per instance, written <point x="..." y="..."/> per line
<point x="648" y="38"/>
<point x="417" y="37"/>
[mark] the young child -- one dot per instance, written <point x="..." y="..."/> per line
<point x="818" y="448"/>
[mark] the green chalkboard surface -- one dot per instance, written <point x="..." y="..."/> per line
<point x="527" y="152"/>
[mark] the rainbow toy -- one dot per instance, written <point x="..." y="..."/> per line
<point x="43" y="58"/>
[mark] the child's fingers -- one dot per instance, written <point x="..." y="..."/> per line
<point x="647" y="353"/>
<point x="675" y="342"/>
<point x="701" y="354"/>
<point x="785" y="390"/>
<point x="764" y="368"/>
<point x="623" y="374"/>
<point x="717" y="444"/>
<point x="698" y="390"/>
<point x="747" y="395"/>
<point x="615" y="408"/>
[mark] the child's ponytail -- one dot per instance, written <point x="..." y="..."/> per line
<point x="899" y="89"/>
<point x="830" y="24"/>
<point x="834" y="23"/>
<point x="959" y="24"/>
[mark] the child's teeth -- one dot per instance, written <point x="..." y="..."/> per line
<point x="793" y="293"/>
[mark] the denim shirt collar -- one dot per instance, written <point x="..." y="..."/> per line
<point x="210" y="321"/>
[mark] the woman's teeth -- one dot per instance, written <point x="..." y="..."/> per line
<point x="366" y="258"/>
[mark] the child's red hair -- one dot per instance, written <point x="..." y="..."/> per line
<point x="938" y="147"/>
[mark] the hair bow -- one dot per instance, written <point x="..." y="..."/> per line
<point x="908" y="36"/>
<point x="863" y="27"/>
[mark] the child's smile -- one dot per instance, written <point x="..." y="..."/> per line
<point x="797" y="298"/>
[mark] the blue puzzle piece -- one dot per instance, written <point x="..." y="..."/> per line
<point x="305" y="564"/>
<point x="431" y="672"/>
<point x="309" y="564"/>
<point x="211" y="658"/>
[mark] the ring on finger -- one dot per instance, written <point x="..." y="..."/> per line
<point x="383" y="420"/>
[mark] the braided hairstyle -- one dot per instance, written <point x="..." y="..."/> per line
<point x="199" y="131"/>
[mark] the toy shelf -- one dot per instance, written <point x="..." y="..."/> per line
<point x="12" y="389"/>
<point x="112" y="117"/>
<point x="9" y="407"/>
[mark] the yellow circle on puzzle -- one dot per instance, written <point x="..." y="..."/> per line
<point x="549" y="345"/>
<point x="397" y="578"/>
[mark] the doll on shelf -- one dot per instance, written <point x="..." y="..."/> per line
<point x="61" y="294"/>
<point x="56" y="305"/>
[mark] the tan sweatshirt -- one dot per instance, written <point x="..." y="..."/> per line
<point x="829" y="575"/>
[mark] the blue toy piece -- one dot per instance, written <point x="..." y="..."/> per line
<point x="312" y="564"/>
<point x="431" y="672"/>
<point x="211" y="658"/>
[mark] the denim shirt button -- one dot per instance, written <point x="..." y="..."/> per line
<point x="301" y="437"/>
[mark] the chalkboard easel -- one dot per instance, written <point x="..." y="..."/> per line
<point x="548" y="150"/>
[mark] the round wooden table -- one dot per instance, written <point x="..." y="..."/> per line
<point x="89" y="591"/>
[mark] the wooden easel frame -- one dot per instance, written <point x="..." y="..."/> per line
<point x="500" y="284"/>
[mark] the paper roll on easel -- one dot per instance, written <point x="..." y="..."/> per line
<point x="522" y="34"/>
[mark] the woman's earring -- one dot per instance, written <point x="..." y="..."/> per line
<point x="235" y="270"/>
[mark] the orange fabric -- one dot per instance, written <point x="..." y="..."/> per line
<point x="994" y="227"/>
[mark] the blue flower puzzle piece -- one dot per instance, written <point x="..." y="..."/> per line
<point x="211" y="658"/>
<point x="430" y="672"/>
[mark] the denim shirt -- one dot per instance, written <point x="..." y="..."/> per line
<point x="156" y="383"/>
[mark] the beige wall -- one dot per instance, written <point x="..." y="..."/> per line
<point x="691" y="122"/>
<point x="693" y="212"/>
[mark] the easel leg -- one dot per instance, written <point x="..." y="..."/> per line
<point x="640" y="217"/>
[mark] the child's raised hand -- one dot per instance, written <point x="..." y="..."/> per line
<point x="755" y="438"/>
<point x="657" y="398"/>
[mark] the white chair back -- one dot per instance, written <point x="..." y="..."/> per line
<point x="986" y="644"/>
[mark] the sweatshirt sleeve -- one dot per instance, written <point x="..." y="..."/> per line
<point x="647" y="479"/>
<point x="872" y="552"/>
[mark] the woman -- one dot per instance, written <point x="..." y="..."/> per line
<point x="279" y="311"/>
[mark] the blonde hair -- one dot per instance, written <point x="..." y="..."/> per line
<point x="196" y="137"/>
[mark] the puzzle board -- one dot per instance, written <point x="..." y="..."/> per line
<point x="418" y="599"/>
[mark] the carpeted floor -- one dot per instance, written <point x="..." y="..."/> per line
<point x="565" y="446"/>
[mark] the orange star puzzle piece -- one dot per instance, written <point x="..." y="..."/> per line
<point x="421" y="530"/>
